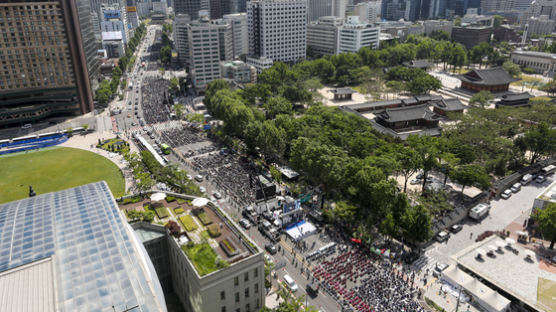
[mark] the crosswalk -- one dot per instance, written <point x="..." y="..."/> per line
<point x="424" y="262"/>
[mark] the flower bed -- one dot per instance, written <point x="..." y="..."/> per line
<point x="179" y="210"/>
<point x="161" y="212"/>
<point x="188" y="223"/>
<point x="213" y="230"/>
<point x="228" y="247"/>
<point x="204" y="218"/>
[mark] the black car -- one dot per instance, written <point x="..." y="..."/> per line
<point x="271" y="249"/>
<point x="456" y="228"/>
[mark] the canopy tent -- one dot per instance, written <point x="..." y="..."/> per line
<point x="158" y="196"/>
<point x="198" y="202"/>
<point x="490" y="300"/>
<point x="300" y="230"/>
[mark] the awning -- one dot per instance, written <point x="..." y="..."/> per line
<point x="198" y="202"/>
<point x="158" y="196"/>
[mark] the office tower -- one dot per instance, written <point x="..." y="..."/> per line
<point x="73" y="251"/>
<point x="277" y="29"/>
<point x="112" y="21"/>
<point x="209" y="43"/>
<point x="339" y="8"/>
<point x="239" y="33"/>
<point x="488" y="6"/>
<point x="181" y="41"/>
<point x="322" y="35"/>
<point x="418" y="10"/>
<point x="540" y="26"/>
<point x="318" y="8"/>
<point x="368" y="11"/>
<point x="395" y="9"/>
<point x="437" y="8"/>
<point x="89" y="41"/>
<point x="354" y="35"/>
<point x="190" y="7"/>
<point x="46" y="67"/>
<point x="218" y="8"/>
<point x="522" y="5"/>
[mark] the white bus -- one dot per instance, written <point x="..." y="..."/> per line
<point x="548" y="170"/>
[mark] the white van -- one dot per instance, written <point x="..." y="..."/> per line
<point x="526" y="179"/>
<point x="548" y="170"/>
<point x="290" y="283"/>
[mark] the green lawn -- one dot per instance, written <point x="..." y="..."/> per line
<point x="204" y="258"/>
<point x="188" y="223"/>
<point x="54" y="169"/>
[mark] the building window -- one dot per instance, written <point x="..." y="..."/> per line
<point x="247" y="292"/>
<point x="223" y="309"/>
<point x="247" y="308"/>
<point x="246" y="276"/>
<point x="237" y="296"/>
<point x="256" y="273"/>
<point x="222" y="295"/>
<point x="256" y="288"/>
<point x="236" y="281"/>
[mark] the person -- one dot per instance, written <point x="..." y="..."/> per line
<point x="470" y="235"/>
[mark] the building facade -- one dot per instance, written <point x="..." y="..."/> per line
<point x="368" y="12"/>
<point x="354" y="35"/>
<point x="438" y="25"/>
<point x="45" y="73"/>
<point x="190" y="7"/>
<point x="112" y="21"/>
<point x="471" y="36"/>
<point x="541" y="25"/>
<point x="238" y="71"/>
<point x="277" y="29"/>
<point x="541" y="62"/>
<point x="181" y="42"/>
<point x="238" y="21"/>
<point x="492" y="79"/>
<point x="322" y="35"/>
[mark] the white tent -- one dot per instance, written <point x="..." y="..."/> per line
<point x="301" y="230"/>
<point x="158" y="196"/>
<point x="198" y="202"/>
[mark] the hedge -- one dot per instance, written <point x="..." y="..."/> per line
<point x="161" y="212"/>
<point x="131" y="200"/>
<point x="170" y="199"/>
<point x="213" y="230"/>
<point x="179" y="210"/>
<point x="188" y="223"/>
<point x="204" y="218"/>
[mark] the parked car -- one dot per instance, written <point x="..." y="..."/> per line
<point x="442" y="236"/>
<point x="506" y="194"/>
<point x="516" y="187"/>
<point x="199" y="178"/>
<point x="27" y="126"/>
<point x="203" y="189"/>
<point x="271" y="249"/>
<point x="245" y="223"/>
<point x="540" y="179"/>
<point x="526" y="179"/>
<point x="189" y="177"/>
<point x="216" y="195"/>
<point x="456" y="228"/>
<point x="438" y="269"/>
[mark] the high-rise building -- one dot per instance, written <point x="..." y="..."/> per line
<point x="209" y="43"/>
<point x="541" y="25"/>
<point x="522" y="5"/>
<point x="322" y="35"/>
<point x="72" y="250"/>
<point x="239" y="33"/>
<point x="48" y="60"/>
<point x="180" y="28"/>
<point x="368" y="11"/>
<point x="318" y="8"/>
<point x="339" y="8"/>
<point x="112" y="21"/>
<point x="277" y="29"/>
<point x="394" y="10"/>
<point x="353" y="35"/>
<point x="488" y="6"/>
<point x="437" y="8"/>
<point x="191" y="7"/>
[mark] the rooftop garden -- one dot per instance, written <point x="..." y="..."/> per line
<point x="204" y="258"/>
<point x="188" y="223"/>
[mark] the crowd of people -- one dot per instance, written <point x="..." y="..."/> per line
<point x="156" y="107"/>
<point x="358" y="281"/>
<point x="181" y="136"/>
<point x="229" y="173"/>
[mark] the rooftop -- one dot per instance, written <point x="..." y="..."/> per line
<point x="487" y="77"/>
<point x="549" y="193"/>
<point x="206" y="235"/>
<point x="506" y="270"/>
<point x="450" y="105"/>
<point x="417" y="64"/>
<point x="111" y="35"/>
<point x="535" y="53"/>
<point x="516" y="96"/>
<point x="408" y="113"/>
<point x="346" y="90"/>
<point x="71" y="251"/>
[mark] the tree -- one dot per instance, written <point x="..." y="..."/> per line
<point x="178" y="110"/>
<point x="417" y="224"/>
<point x="539" y="141"/>
<point x="427" y="151"/>
<point x="174" y="85"/>
<point x="276" y="106"/>
<point x="546" y="220"/>
<point x="409" y="163"/>
<point x="498" y="20"/>
<point x="166" y="54"/>
<point x="470" y="174"/>
<point x="440" y="35"/>
<point x="423" y="84"/>
<point x="343" y="213"/>
<point x="511" y="68"/>
<point x="482" y="98"/>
